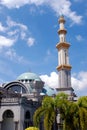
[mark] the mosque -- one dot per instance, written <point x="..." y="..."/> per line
<point x="20" y="98"/>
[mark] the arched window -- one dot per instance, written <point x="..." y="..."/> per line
<point x="27" y="121"/>
<point x="27" y="115"/>
<point x="17" y="89"/>
<point x="66" y="55"/>
<point x="8" y="121"/>
<point x="8" y="114"/>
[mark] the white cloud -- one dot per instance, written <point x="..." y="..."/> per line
<point x="49" y="56"/>
<point x="10" y="54"/>
<point x="1" y="82"/>
<point x="19" y="3"/>
<point x="2" y="28"/>
<point x="14" y="3"/>
<point x="5" y="70"/>
<point x="21" y="31"/>
<point x="79" y="38"/>
<point x="12" y="33"/>
<point x="6" y="42"/>
<point x="51" y="80"/>
<point x="12" y="23"/>
<point x="59" y="7"/>
<point x="48" y="52"/>
<point x="15" y="31"/>
<point x="79" y="81"/>
<point x="79" y="1"/>
<point x="37" y="2"/>
<point x="30" y="41"/>
<point x="13" y="56"/>
<point x="63" y="7"/>
<point x="23" y="35"/>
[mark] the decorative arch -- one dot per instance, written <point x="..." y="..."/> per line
<point x="8" y="120"/>
<point x="16" y="86"/>
<point x="27" y="121"/>
<point x="27" y="115"/>
<point x="8" y="114"/>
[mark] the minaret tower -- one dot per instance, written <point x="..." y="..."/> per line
<point x="64" y="68"/>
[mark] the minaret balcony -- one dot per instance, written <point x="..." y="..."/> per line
<point x="62" y="31"/>
<point x="62" y="45"/>
<point x="65" y="67"/>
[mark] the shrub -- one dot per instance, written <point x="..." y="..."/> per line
<point x="32" y="128"/>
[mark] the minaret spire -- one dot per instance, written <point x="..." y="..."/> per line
<point x="63" y="46"/>
<point x="62" y="31"/>
<point x="64" y="68"/>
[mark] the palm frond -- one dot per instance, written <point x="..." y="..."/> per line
<point x="37" y="115"/>
<point x="49" y="119"/>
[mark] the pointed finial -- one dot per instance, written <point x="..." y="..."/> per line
<point x="61" y="19"/>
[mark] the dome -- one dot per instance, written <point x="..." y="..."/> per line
<point x="48" y="91"/>
<point x="29" y="76"/>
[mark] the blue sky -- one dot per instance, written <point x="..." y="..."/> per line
<point x="28" y="38"/>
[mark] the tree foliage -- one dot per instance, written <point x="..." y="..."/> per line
<point x="82" y="112"/>
<point x="45" y="112"/>
<point x="72" y="113"/>
<point x="32" y="128"/>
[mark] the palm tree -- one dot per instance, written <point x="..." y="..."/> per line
<point x="67" y="110"/>
<point x="73" y="114"/>
<point x="47" y="112"/>
<point x="82" y="112"/>
<point x="49" y="108"/>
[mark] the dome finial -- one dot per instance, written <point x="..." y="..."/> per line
<point x="61" y="19"/>
<point x="62" y="15"/>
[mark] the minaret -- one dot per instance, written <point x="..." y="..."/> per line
<point x="64" y="67"/>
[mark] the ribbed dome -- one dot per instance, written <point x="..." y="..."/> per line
<point x="29" y="76"/>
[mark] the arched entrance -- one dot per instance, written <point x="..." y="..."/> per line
<point x="8" y="123"/>
<point x="27" y="121"/>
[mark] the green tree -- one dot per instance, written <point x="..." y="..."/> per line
<point x="67" y="110"/>
<point x="47" y="112"/>
<point x="72" y="113"/>
<point x="82" y="112"/>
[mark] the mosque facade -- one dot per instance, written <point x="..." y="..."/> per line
<point x="20" y="98"/>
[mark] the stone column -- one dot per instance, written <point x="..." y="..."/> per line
<point x="0" y="125"/>
<point x="16" y="125"/>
